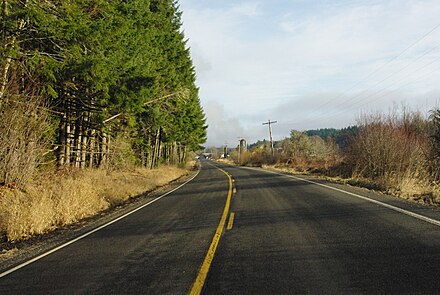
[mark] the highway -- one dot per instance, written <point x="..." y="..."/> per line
<point x="238" y="230"/>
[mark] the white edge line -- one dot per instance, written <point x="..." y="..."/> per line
<point x="92" y="231"/>
<point x="406" y="212"/>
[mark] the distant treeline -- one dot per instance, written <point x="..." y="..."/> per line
<point x="101" y="82"/>
<point x="340" y="136"/>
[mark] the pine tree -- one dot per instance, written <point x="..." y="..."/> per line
<point x="107" y="68"/>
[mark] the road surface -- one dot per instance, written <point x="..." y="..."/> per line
<point x="280" y="235"/>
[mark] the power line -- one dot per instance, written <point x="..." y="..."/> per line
<point x="337" y="97"/>
<point x="349" y="103"/>
<point x="420" y="78"/>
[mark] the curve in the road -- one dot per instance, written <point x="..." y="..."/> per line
<point x="206" y="265"/>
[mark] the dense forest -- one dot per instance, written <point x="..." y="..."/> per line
<point x="92" y="83"/>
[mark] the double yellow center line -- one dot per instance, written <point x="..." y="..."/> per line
<point x="204" y="269"/>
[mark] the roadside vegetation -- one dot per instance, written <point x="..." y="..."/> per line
<point x="69" y="196"/>
<point x="98" y="103"/>
<point x="397" y="153"/>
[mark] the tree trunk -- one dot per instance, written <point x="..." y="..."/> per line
<point x="8" y="60"/>
<point x="103" y="162"/>
<point x="62" y="141"/>
<point x="108" y="150"/>
<point x="156" y="150"/>
<point x="175" y="155"/>
<point x="78" y="141"/>
<point x="83" y="150"/>
<point x="142" y="156"/>
<point x="92" y="148"/>
<point x="11" y="44"/>
<point x="185" y="152"/>
<point x="67" y="142"/>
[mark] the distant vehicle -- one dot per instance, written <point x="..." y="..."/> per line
<point x="206" y="156"/>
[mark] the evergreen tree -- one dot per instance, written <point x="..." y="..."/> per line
<point x="108" y="68"/>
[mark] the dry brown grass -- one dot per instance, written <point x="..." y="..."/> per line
<point x="25" y="133"/>
<point x="65" y="199"/>
<point x="7" y="253"/>
<point x="392" y="151"/>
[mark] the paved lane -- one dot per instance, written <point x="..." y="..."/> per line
<point x="294" y="237"/>
<point x="288" y="237"/>
<point x="157" y="250"/>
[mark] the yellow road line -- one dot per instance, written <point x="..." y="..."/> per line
<point x="204" y="268"/>
<point x="41" y="256"/>
<point x="231" y="221"/>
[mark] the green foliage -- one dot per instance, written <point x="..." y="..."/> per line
<point x="323" y="133"/>
<point x="341" y="137"/>
<point x="95" y="59"/>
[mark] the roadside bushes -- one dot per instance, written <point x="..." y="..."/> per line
<point x="393" y="152"/>
<point x="398" y="153"/>
<point x="435" y="145"/>
<point x="258" y="157"/>
<point x="70" y="196"/>
<point x="306" y="153"/>
<point x="25" y="135"/>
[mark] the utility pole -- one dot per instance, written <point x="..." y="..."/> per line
<point x="269" y="122"/>
<point x="239" y="151"/>
<point x="239" y="148"/>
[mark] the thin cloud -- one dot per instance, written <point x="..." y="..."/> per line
<point x="256" y="59"/>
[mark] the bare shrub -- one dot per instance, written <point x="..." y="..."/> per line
<point x="392" y="150"/>
<point x="24" y="137"/>
<point x="435" y="145"/>
<point x="306" y="153"/>
<point x="256" y="157"/>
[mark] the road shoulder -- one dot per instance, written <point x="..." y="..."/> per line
<point x="15" y="253"/>
<point x="430" y="211"/>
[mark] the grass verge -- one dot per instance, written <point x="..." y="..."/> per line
<point x="47" y="204"/>
<point x="408" y="188"/>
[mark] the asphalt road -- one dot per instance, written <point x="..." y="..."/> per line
<point x="288" y="236"/>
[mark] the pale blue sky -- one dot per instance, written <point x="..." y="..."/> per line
<point x="309" y="64"/>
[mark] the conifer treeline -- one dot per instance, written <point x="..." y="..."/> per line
<point x="108" y="71"/>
